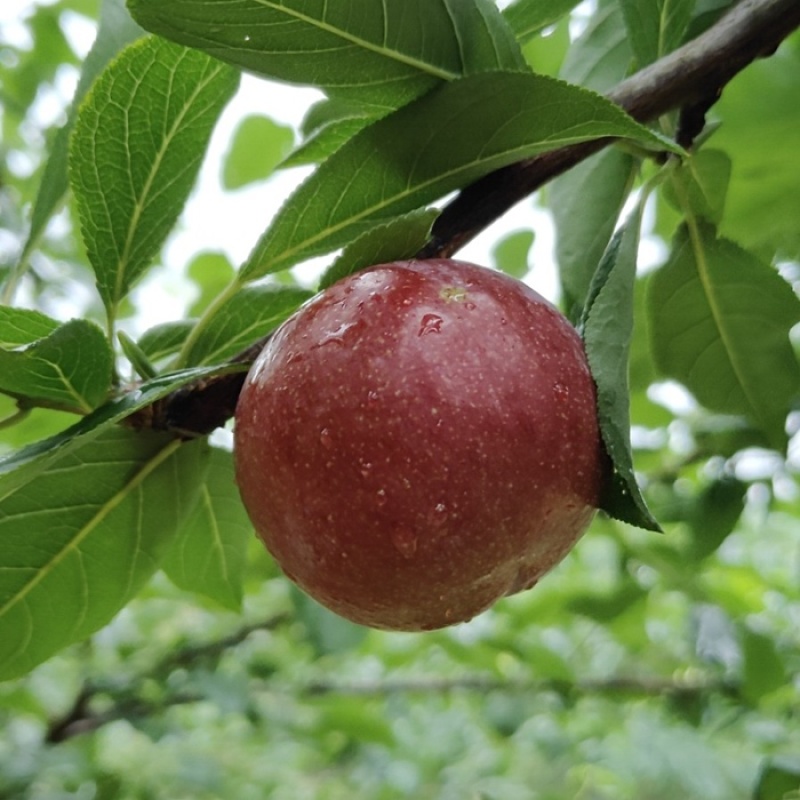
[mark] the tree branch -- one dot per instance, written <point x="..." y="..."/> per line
<point x="690" y="78"/>
<point x="686" y="77"/>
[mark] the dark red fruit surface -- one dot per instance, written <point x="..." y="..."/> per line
<point x="418" y="441"/>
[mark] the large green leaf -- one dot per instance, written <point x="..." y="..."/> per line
<point x="69" y="368"/>
<point x="209" y="553"/>
<point x="139" y="139"/>
<point x="80" y="540"/>
<point x="381" y="50"/>
<point x="115" y="30"/>
<point x="17" y="469"/>
<point x="607" y="326"/>
<point x="720" y="322"/>
<point x="471" y="126"/>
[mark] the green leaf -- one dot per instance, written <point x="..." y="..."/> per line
<point x="763" y="670"/>
<point x="607" y="326"/>
<point x="20" y="467"/>
<point x="719" y="324"/>
<point x="80" y="540"/>
<point x="699" y="185"/>
<point x="327" y="632"/>
<point x="209" y="553"/>
<point x="656" y="28"/>
<point x="326" y="140"/>
<point x="586" y="203"/>
<point x="139" y="139"/>
<point x="511" y="253"/>
<point x="258" y="146"/>
<point x="760" y="115"/>
<point x="211" y="273"/>
<point x="385" y="51"/>
<point x="714" y="515"/>
<point x="529" y="17"/>
<point x="19" y="326"/>
<point x="778" y="779"/>
<point x="165" y="340"/>
<point x="247" y="316"/>
<point x="71" y="368"/>
<point x="115" y="30"/>
<point x="601" y="56"/>
<point x="472" y="126"/>
<point x="399" y="239"/>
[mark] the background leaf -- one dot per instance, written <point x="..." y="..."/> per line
<point x="511" y="253"/>
<point x="404" y="47"/>
<point x="759" y="113"/>
<point x="529" y="17"/>
<point x="257" y="147"/>
<point x="719" y="323"/>
<point x="473" y="125"/>
<point x="209" y="553"/>
<point x="70" y="368"/>
<point x="70" y="564"/>
<point x="149" y="151"/>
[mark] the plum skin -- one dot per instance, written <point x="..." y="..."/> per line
<point x="418" y="441"/>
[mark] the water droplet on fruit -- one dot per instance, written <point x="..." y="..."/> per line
<point x="366" y="468"/>
<point x="325" y="438"/>
<point x="430" y="323"/>
<point x="337" y="336"/>
<point x="372" y="396"/>
<point x="560" y="391"/>
<point x="405" y="542"/>
<point x="380" y="498"/>
<point x="469" y="306"/>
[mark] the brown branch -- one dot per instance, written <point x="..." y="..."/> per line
<point x="686" y="77"/>
<point x="129" y="706"/>
<point x="689" y="78"/>
<point x="82" y="718"/>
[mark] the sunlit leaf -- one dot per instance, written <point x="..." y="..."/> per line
<point x="139" y="139"/>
